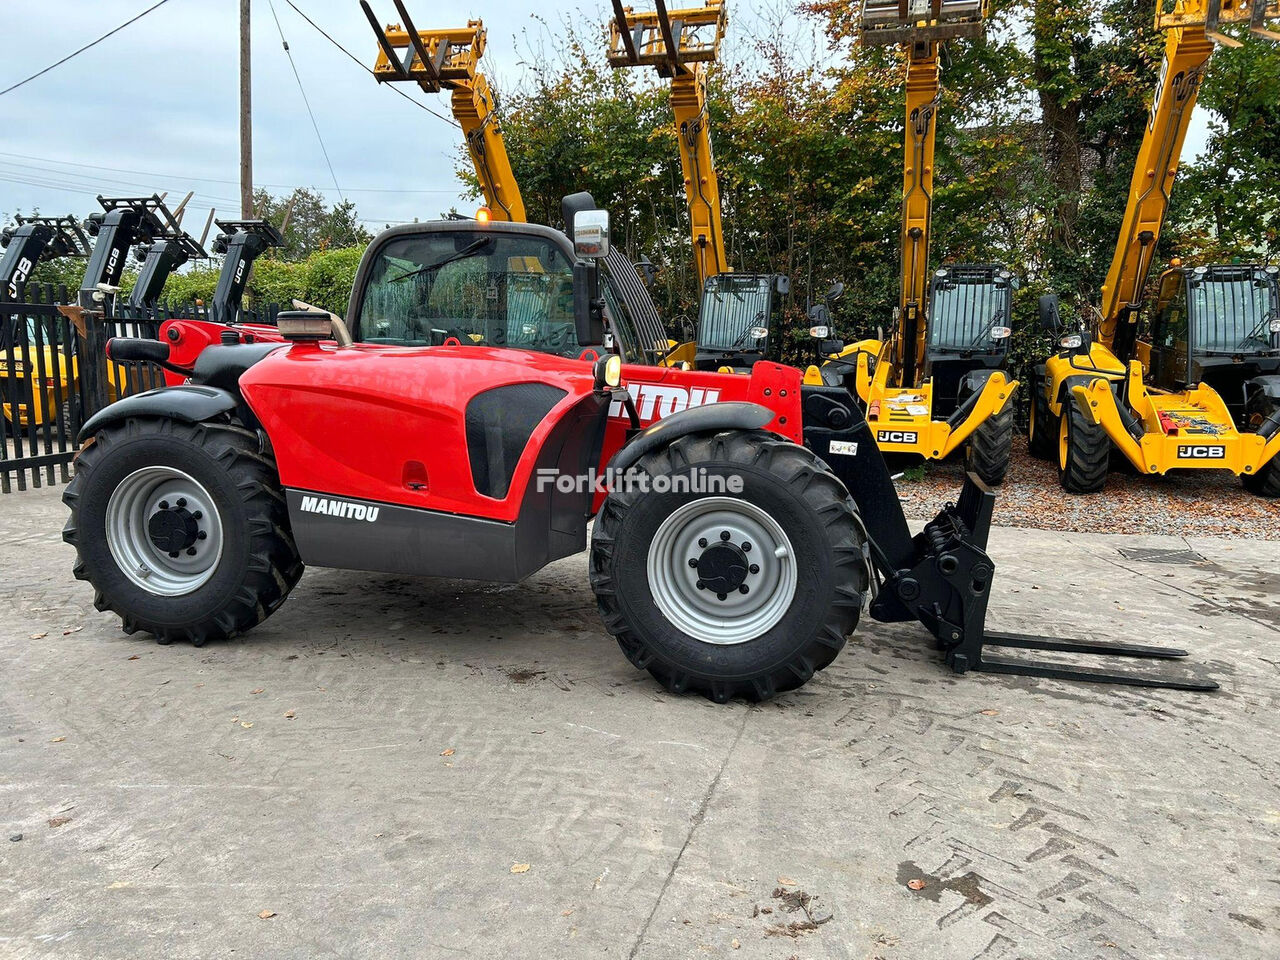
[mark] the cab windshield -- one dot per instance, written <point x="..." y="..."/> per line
<point x="735" y="307"/>
<point x="964" y="310"/>
<point x="475" y="287"/>
<point x="1232" y="313"/>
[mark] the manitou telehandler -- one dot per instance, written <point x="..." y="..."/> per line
<point x="738" y="312"/>
<point x="939" y="380"/>
<point x="740" y="525"/>
<point x="1202" y="390"/>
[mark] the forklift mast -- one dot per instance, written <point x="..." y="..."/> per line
<point x="29" y="239"/>
<point x="919" y="26"/>
<point x="440" y="60"/>
<point x="1191" y="31"/>
<point x="678" y="44"/>
<point x="123" y="222"/>
<point x="168" y="250"/>
<point x="243" y="241"/>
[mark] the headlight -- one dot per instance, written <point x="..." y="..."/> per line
<point x="759" y="333"/>
<point x="1001" y="333"/>
<point x="820" y="333"/>
<point x="1071" y="341"/>
<point x="1275" y="325"/>
<point x="608" y="372"/>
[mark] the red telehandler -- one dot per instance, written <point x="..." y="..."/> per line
<point x="450" y="426"/>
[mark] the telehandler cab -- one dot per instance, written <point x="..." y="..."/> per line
<point x="938" y="384"/>
<point x="744" y="522"/>
<point x="1202" y="391"/>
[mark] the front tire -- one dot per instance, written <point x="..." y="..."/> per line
<point x="1266" y="482"/>
<point x="670" y="584"/>
<point x="991" y="447"/>
<point x="1084" y="452"/>
<point x="181" y="529"/>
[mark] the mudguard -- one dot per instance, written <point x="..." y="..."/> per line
<point x="973" y="382"/>
<point x="1268" y="385"/>
<point x="189" y="404"/>
<point x="727" y="415"/>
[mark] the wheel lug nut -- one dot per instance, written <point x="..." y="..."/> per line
<point x="701" y="585"/>
<point x="182" y="501"/>
<point x="198" y="515"/>
<point x="746" y="547"/>
<point x="202" y="535"/>
<point x="744" y="589"/>
<point x="725" y="535"/>
<point x="702" y="542"/>
<point x="163" y="504"/>
<point x="722" y="596"/>
<point x="191" y="551"/>
<point x="693" y="562"/>
<point x="173" y="554"/>
<point x="754" y="568"/>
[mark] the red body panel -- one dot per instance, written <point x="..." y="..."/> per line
<point x="188" y="338"/>
<point x="366" y="421"/>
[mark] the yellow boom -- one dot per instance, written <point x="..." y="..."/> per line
<point x="449" y="60"/>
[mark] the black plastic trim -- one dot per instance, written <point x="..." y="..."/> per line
<point x="189" y="404"/>
<point x="730" y="415"/>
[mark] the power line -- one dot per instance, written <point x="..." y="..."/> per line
<point x="366" y="69"/>
<point x="315" y="126"/>
<point x="76" y="53"/>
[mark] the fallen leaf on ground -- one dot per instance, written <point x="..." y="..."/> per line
<point x="447" y="753"/>
<point x="266" y="914"/>
<point x="38" y="636"/>
<point x="135" y="657"/>
<point x="989" y="713"/>
<point x="565" y="913"/>
<point x="59" y="821"/>
<point x="916" y="884"/>
<point x="257" y="691"/>
<point x="289" y="714"/>
<point x="246" y="724"/>
<point x="57" y="739"/>
<point x="520" y="868"/>
<point x="786" y="881"/>
<point x="734" y="943"/>
<point x="67" y="633"/>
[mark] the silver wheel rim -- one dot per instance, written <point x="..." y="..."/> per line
<point x="700" y="612"/>
<point x="131" y="513"/>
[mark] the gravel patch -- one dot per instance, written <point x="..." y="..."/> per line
<point x="1202" y="503"/>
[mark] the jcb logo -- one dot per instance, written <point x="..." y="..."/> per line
<point x="1193" y="452"/>
<point x="20" y="274"/>
<point x="653" y="402"/>
<point x="239" y="275"/>
<point x="897" y="436"/>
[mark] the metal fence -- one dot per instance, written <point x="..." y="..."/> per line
<point x="54" y="375"/>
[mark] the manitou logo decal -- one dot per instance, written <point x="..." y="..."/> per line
<point x="655" y="401"/>
<point x="897" y="436"/>
<point x="340" y="508"/>
<point x="1190" y="452"/>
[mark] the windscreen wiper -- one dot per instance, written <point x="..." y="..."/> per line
<point x="464" y="252"/>
<point x="1255" y="333"/>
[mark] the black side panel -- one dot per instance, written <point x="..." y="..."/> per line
<point x="222" y="366"/>
<point x="190" y="404"/>
<point x="499" y="424"/>
<point x="729" y="415"/>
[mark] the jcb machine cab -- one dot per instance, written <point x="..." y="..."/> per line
<point x="740" y="522"/>
<point x="937" y="384"/>
<point x="737" y="320"/>
<point x="1199" y="392"/>
<point x="1220" y="326"/>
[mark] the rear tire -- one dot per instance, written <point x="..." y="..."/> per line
<point x="181" y="529"/>
<point x="1040" y="426"/>
<point x="1266" y="482"/>
<point x="1084" y="452"/>
<point x="991" y="448"/>
<point x="806" y="559"/>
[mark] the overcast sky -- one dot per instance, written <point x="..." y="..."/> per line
<point x="155" y="107"/>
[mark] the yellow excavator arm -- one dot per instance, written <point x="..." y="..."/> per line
<point x="679" y="45"/>
<point x="449" y="60"/>
<point x="1191" y="30"/>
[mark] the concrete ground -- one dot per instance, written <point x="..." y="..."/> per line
<point x="399" y="768"/>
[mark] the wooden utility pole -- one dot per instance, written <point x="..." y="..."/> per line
<point x="246" y="116"/>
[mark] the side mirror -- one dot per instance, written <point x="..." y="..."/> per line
<point x="1050" y="315"/>
<point x="782" y="285"/>
<point x="591" y="234"/>
<point x="835" y="293"/>
<point x="588" y="308"/>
